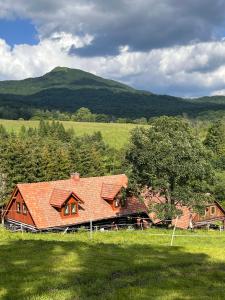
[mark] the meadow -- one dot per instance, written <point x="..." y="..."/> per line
<point x="112" y="265"/>
<point x="114" y="134"/>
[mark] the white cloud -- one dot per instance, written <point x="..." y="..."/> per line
<point x="192" y="70"/>
<point x="166" y="46"/>
<point x="141" y="24"/>
<point x="23" y="61"/>
<point x="218" y="93"/>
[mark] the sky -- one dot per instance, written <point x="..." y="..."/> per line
<point x="171" y="47"/>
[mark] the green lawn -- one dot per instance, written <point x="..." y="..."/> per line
<point x="113" y="265"/>
<point x="115" y="134"/>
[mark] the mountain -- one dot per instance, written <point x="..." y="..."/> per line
<point x="67" y="89"/>
<point x="61" y="78"/>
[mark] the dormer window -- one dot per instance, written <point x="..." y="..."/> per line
<point x="65" y="202"/>
<point x="66" y="210"/>
<point x="117" y="202"/>
<point x="70" y="209"/>
<point x="73" y="208"/>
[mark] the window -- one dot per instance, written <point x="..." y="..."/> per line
<point x="213" y="210"/>
<point x="66" y="210"/>
<point x="24" y="209"/>
<point x="73" y="208"/>
<point x="18" y="207"/>
<point x="117" y="202"/>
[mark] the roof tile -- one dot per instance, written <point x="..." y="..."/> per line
<point x="39" y="197"/>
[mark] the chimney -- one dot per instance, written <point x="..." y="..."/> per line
<point x="75" y="176"/>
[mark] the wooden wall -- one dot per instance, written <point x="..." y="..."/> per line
<point x="14" y="215"/>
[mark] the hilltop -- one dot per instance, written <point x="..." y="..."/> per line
<point x="61" y="77"/>
<point x="68" y="89"/>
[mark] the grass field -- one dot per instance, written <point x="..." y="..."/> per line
<point x="113" y="265"/>
<point x="114" y="134"/>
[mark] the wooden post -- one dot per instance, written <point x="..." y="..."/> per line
<point x="65" y="231"/>
<point x="1" y="216"/>
<point x="91" y="229"/>
<point x="174" y="228"/>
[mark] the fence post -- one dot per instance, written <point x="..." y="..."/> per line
<point x="91" y="228"/>
<point x="174" y="228"/>
<point x="65" y="231"/>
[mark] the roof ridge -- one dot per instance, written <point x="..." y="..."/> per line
<point x="69" y="179"/>
<point x="61" y="189"/>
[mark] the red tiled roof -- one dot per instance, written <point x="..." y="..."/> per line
<point x="59" y="197"/>
<point x="150" y="199"/>
<point x="109" y="191"/>
<point x="37" y="198"/>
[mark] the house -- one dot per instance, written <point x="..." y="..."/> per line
<point x="70" y="203"/>
<point x="214" y="214"/>
<point x="74" y="202"/>
<point x="151" y="198"/>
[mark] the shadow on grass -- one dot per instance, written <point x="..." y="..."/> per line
<point x="39" y="269"/>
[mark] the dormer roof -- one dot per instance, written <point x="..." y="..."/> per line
<point x="60" y="196"/>
<point x="109" y="190"/>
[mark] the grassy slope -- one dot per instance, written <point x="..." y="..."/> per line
<point x="114" y="265"/>
<point x="61" y="78"/>
<point x="116" y="135"/>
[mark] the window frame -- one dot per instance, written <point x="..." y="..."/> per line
<point x="24" y="210"/>
<point x="117" y="202"/>
<point x="212" y="210"/>
<point x="18" y="206"/>
<point x="71" y="208"/>
<point x="64" y="212"/>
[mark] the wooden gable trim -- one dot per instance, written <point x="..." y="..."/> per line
<point x="10" y="200"/>
<point x="76" y="197"/>
<point x="62" y="211"/>
<point x="16" y="189"/>
<point x="220" y="207"/>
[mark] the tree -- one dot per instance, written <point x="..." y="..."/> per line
<point x="83" y="114"/>
<point x="169" y="159"/>
<point x="215" y="139"/>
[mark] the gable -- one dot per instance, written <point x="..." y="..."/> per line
<point x="213" y="211"/>
<point x="59" y="197"/>
<point x="17" y="209"/>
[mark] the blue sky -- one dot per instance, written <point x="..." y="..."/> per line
<point x="167" y="47"/>
<point x="18" y="31"/>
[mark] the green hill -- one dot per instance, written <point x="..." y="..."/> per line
<point x="67" y="89"/>
<point x="61" y="78"/>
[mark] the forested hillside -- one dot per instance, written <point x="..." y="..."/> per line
<point x="67" y="90"/>
<point x="49" y="151"/>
